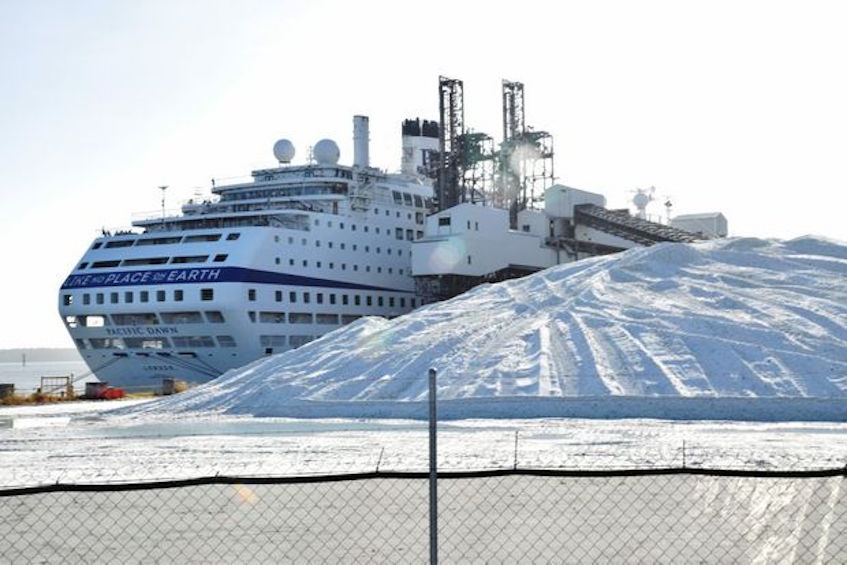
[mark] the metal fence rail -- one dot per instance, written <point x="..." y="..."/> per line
<point x="662" y="516"/>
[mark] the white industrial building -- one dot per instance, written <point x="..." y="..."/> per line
<point x="709" y="225"/>
<point x="469" y="244"/>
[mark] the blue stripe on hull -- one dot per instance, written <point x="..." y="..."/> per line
<point x="207" y="275"/>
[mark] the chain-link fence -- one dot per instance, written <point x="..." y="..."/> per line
<point x="655" y="516"/>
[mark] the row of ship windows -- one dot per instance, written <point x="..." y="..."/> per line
<point x="212" y="237"/>
<point x="312" y="189"/>
<point x="303" y="318"/>
<point x="155" y="342"/>
<point x="419" y="219"/>
<point x="411" y="235"/>
<point x="332" y="298"/>
<point x="201" y="341"/>
<point x="153" y="261"/>
<point x="212" y="317"/>
<point x="331" y="265"/>
<point x="271" y="341"/>
<point x="410" y="199"/>
<point x="144" y="319"/>
<point x="399" y="234"/>
<point x="206" y="294"/>
<point x="163" y="240"/>
<point x="220" y="223"/>
<point x="400" y="198"/>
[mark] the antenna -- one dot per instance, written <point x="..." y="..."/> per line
<point x="668" y="206"/>
<point x="163" y="188"/>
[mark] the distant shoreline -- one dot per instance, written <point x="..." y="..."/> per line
<point x="39" y="354"/>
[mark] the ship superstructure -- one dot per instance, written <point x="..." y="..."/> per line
<point x="263" y="267"/>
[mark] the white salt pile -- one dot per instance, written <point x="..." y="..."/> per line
<point x="672" y="330"/>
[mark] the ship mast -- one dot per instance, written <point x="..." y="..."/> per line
<point x="163" y="188"/>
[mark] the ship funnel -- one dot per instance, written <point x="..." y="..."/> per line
<point x="420" y="141"/>
<point x="361" y="140"/>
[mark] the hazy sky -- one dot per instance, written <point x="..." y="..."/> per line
<point x="734" y="106"/>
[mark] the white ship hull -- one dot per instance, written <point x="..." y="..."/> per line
<point x="186" y="302"/>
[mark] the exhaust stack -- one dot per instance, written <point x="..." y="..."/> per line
<point x="361" y="141"/>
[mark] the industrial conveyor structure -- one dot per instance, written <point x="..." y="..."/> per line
<point x="621" y="223"/>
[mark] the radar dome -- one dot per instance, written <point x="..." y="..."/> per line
<point x="641" y="200"/>
<point x="284" y="151"/>
<point x="326" y="152"/>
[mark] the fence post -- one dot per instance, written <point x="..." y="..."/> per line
<point x="433" y="473"/>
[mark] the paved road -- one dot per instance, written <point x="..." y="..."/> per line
<point x="661" y="519"/>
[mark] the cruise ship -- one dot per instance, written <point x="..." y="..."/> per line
<point x="259" y="268"/>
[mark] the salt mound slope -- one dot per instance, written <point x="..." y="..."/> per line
<point x="727" y="318"/>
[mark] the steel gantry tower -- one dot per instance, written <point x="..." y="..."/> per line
<point x="465" y="158"/>
<point x="451" y="108"/>
<point x="525" y="157"/>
